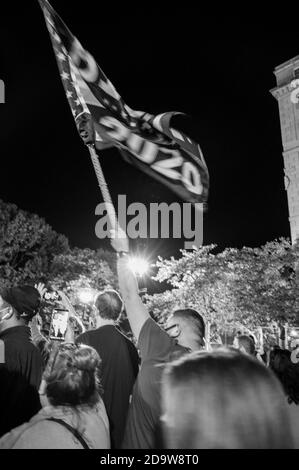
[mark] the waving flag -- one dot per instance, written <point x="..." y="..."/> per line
<point x="148" y="142"/>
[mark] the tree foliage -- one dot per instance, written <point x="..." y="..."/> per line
<point x="80" y="269"/>
<point x="27" y="246"/>
<point x="31" y="251"/>
<point x="247" y="287"/>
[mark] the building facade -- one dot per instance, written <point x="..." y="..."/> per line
<point x="286" y="92"/>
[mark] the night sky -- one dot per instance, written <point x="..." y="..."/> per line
<point x="217" y="70"/>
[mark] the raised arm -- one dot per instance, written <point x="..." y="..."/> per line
<point x="72" y="319"/>
<point x="72" y="312"/>
<point x="136" y="311"/>
<point x="35" y="328"/>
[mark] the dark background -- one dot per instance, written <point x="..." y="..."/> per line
<point x="218" y="69"/>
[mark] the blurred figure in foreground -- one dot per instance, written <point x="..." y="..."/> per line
<point x="223" y="400"/>
<point x="74" y="415"/>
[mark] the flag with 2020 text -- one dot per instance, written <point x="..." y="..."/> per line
<point x="148" y="142"/>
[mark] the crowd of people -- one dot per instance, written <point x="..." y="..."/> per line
<point x="97" y="390"/>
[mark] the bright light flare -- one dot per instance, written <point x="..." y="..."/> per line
<point x="86" y="296"/>
<point x="139" y="266"/>
<point x="294" y="333"/>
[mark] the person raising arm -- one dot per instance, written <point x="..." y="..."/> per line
<point x="136" y="310"/>
<point x="185" y="332"/>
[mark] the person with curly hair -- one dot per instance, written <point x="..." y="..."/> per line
<point x="73" y="414"/>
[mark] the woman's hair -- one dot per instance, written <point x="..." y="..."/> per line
<point x="223" y="399"/>
<point x="72" y="376"/>
<point x="286" y="372"/>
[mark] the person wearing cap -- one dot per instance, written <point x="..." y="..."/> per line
<point x="21" y="364"/>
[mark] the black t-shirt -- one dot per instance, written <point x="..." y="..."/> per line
<point x="20" y="377"/>
<point x="119" y="370"/>
<point x="156" y="349"/>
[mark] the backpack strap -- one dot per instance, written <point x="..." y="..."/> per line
<point x="2" y="352"/>
<point x="72" y="430"/>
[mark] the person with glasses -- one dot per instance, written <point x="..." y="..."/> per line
<point x="185" y="331"/>
<point x="73" y="414"/>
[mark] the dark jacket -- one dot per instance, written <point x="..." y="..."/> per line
<point x="119" y="370"/>
<point x="20" y="377"/>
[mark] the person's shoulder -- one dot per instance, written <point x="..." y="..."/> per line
<point x="122" y="336"/>
<point x="21" y="347"/>
<point x="150" y="328"/>
<point x="149" y="324"/>
<point x="126" y="343"/>
<point x="154" y="343"/>
<point x="30" y="348"/>
<point x="81" y="337"/>
<point x="112" y="333"/>
<point x="84" y="338"/>
<point x="34" y="436"/>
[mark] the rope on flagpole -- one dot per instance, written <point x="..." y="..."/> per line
<point x="103" y="187"/>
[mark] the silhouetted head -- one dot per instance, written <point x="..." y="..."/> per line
<point x="109" y="305"/>
<point x="188" y="327"/>
<point x="223" y="399"/>
<point x="245" y="344"/>
<point x="18" y="305"/>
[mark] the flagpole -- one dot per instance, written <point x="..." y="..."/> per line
<point x="103" y="186"/>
